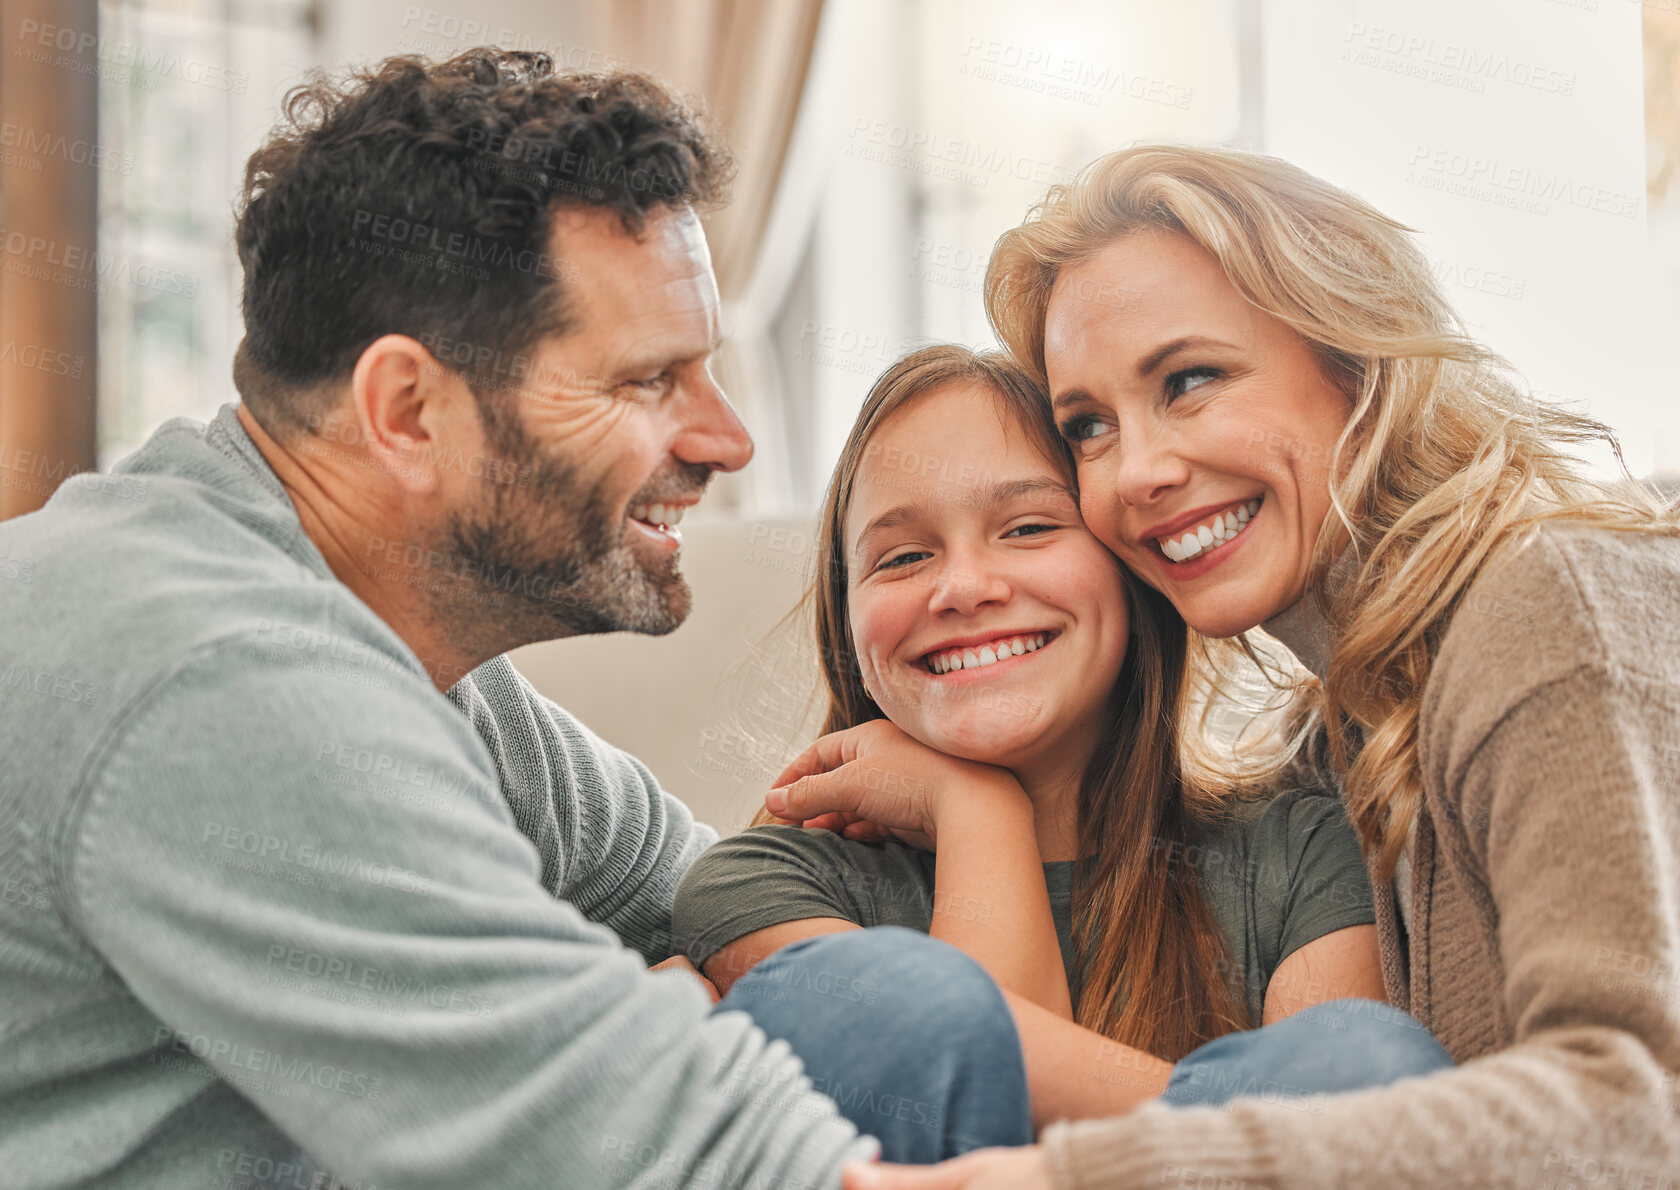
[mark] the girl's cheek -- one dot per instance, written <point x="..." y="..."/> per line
<point x="866" y="637"/>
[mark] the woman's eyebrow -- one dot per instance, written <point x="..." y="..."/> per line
<point x="1149" y="363"/>
<point x="1146" y="366"/>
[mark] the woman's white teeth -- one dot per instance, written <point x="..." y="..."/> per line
<point x="1215" y="532"/>
<point x="998" y="650"/>
<point x="657" y="514"/>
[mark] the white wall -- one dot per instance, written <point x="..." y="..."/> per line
<point x="1511" y="134"/>
<point x="718" y="707"/>
<point x="356" y="31"/>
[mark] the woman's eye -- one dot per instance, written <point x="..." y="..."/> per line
<point x="1032" y="530"/>
<point x="1180" y="383"/>
<point x="1082" y="427"/>
<point x="904" y="559"/>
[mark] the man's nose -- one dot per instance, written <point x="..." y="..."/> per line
<point x="713" y="434"/>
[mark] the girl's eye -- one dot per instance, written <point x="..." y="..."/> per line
<point x="1032" y="530"/>
<point x="904" y="559"/>
<point x="1180" y="383"/>
<point x="1081" y="427"/>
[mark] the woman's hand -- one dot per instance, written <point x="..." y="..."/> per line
<point x="1024" y="1168"/>
<point x="874" y="781"/>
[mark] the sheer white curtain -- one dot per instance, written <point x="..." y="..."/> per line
<point x="749" y="61"/>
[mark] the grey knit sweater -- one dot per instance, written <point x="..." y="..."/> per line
<point x="273" y="905"/>
<point x="1545" y="942"/>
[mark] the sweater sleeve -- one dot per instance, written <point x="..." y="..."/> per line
<point x="1573" y="803"/>
<point x="611" y="840"/>
<point x="367" y="952"/>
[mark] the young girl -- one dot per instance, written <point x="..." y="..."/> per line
<point x="1494" y="639"/>
<point x="1008" y="702"/>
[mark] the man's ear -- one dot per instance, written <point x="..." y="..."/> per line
<point x="407" y="407"/>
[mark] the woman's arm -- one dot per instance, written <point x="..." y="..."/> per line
<point x="990" y="899"/>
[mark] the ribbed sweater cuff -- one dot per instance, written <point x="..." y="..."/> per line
<point x="1159" y="1146"/>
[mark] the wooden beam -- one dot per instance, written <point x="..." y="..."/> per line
<point x="49" y="213"/>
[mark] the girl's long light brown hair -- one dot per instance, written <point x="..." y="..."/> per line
<point x="1157" y="976"/>
<point x="1444" y="462"/>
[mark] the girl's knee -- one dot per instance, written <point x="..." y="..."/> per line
<point x="1394" y="1043"/>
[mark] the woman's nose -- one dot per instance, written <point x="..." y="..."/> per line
<point x="1146" y="469"/>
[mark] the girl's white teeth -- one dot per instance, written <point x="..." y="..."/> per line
<point x="1217" y="531"/>
<point x="998" y="650"/>
<point x="658" y="514"/>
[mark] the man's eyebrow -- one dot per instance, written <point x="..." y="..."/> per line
<point x="988" y="493"/>
<point x="660" y="360"/>
<point x="1146" y="367"/>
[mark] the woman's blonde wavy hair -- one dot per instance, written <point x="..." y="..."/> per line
<point x="1444" y="460"/>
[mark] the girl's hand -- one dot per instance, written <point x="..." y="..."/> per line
<point x="874" y="781"/>
<point x="852" y="826"/>
<point x="679" y="962"/>
<point x="1024" y="1168"/>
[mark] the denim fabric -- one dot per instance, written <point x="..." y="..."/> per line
<point x="1340" y="1045"/>
<point x="909" y="1036"/>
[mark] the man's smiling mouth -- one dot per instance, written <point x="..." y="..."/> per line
<point x="659" y="518"/>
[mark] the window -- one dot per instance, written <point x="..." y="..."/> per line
<point x="187" y="91"/>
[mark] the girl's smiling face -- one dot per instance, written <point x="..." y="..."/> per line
<point x="988" y="622"/>
<point x="1203" y="428"/>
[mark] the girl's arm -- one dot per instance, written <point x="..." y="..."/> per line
<point x="1077" y="1074"/>
<point x="1072" y="1072"/>
<point x="1340" y="965"/>
<point x="989" y="898"/>
<point x="731" y="962"/>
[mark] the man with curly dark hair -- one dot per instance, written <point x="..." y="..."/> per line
<point x="300" y="875"/>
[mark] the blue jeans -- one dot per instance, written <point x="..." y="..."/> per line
<point x="1340" y="1045"/>
<point x="909" y="1036"/>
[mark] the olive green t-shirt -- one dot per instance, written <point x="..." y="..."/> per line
<point x="1280" y="873"/>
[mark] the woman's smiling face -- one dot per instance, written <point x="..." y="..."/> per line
<point x="989" y="623"/>
<point x="1203" y="428"/>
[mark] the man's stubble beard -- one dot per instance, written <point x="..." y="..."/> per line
<point x="553" y="555"/>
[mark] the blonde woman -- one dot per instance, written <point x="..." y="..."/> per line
<point x="1493" y="638"/>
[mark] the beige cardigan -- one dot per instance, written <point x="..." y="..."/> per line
<point x="1545" y="948"/>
